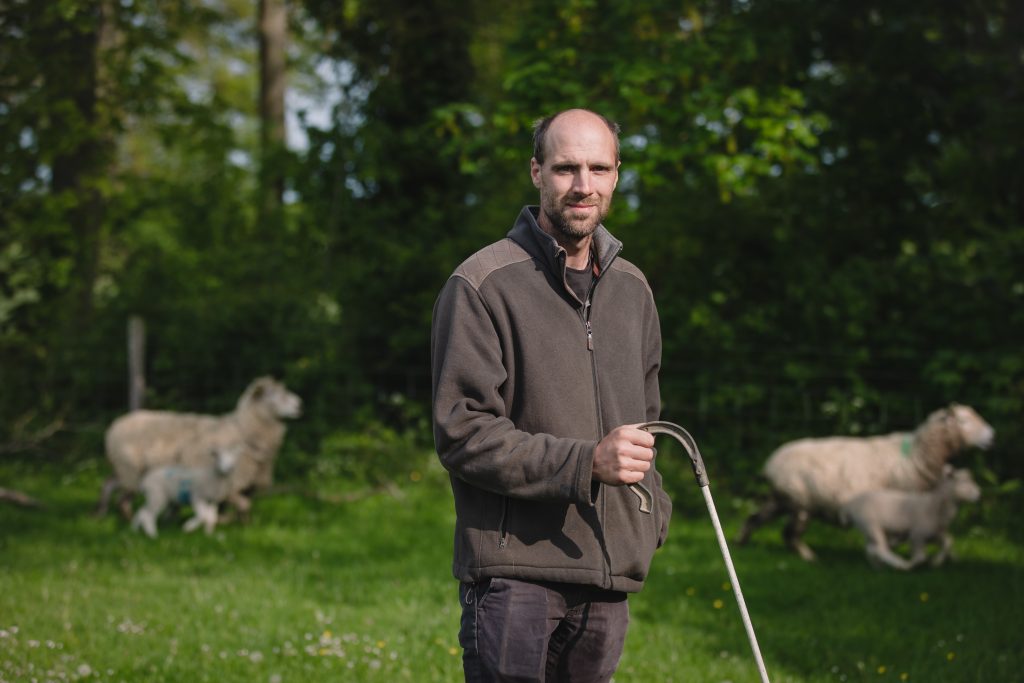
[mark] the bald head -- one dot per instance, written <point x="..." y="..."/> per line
<point x="568" y="117"/>
<point x="576" y="168"/>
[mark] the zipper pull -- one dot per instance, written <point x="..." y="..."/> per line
<point x="590" y="338"/>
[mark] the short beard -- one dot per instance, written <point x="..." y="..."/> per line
<point x="573" y="231"/>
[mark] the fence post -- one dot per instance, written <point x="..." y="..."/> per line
<point x="136" y="362"/>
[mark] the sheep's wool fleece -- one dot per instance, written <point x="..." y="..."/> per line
<point x="824" y="473"/>
<point x="145" y="439"/>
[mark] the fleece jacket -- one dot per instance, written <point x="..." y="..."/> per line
<point x="526" y="380"/>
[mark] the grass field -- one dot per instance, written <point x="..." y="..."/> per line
<point x="360" y="590"/>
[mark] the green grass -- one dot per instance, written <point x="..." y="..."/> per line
<point x="360" y="591"/>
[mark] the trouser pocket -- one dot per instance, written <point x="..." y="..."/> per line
<point x="471" y="594"/>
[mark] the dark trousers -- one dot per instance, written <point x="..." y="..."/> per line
<point x="542" y="632"/>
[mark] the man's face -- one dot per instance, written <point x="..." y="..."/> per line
<point x="578" y="176"/>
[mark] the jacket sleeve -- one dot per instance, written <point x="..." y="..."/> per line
<point x="475" y="439"/>
<point x="652" y="365"/>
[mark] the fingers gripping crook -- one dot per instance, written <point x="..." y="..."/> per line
<point x="683" y="437"/>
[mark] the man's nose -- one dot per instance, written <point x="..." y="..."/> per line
<point x="581" y="182"/>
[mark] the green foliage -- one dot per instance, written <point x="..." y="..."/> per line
<point x="375" y="453"/>
<point x="824" y="197"/>
<point x="23" y="277"/>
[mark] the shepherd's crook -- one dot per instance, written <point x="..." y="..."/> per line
<point x="683" y="437"/>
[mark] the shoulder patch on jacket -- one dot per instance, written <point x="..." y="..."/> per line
<point x="477" y="267"/>
<point x="625" y="266"/>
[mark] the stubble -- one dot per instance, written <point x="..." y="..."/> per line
<point x="570" y="228"/>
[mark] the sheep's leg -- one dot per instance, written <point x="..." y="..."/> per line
<point x="209" y="524"/>
<point x="198" y="518"/>
<point x="210" y="515"/>
<point x="192" y="524"/>
<point x="109" y="486"/>
<point x="768" y="511"/>
<point x="945" y="550"/>
<point x="146" y="519"/>
<point x="918" y="550"/>
<point x="242" y="506"/>
<point x="794" y="531"/>
<point x="873" y="559"/>
<point x="879" y="551"/>
<point x="124" y="503"/>
<point x="149" y="525"/>
<point x="206" y="516"/>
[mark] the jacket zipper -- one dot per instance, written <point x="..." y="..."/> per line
<point x="585" y="314"/>
<point x="503" y="525"/>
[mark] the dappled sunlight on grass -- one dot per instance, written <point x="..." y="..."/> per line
<point x="315" y="590"/>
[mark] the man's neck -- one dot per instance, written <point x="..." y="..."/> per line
<point x="577" y="254"/>
<point x="577" y="251"/>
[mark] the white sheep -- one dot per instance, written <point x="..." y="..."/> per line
<point x="204" y="488"/>
<point x="890" y="516"/>
<point x="815" y="477"/>
<point x="145" y="439"/>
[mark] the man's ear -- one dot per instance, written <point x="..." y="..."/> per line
<point x="535" y="169"/>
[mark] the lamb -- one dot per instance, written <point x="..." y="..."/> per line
<point x="201" y="487"/>
<point x="815" y="477"/>
<point x="889" y="515"/>
<point x="144" y="439"/>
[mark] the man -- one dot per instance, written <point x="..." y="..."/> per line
<point x="545" y="351"/>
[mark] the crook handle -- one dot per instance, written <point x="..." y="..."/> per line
<point x="646" y="500"/>
<point x="683" y="437"/>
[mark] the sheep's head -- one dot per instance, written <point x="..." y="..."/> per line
<point x="272" y="397"/>
<point x="973" y="430"/>
<point x="227" y="457"/>
<point x="965" y="489"/>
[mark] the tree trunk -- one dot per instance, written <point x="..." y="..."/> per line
<point x="136" y="362"/>
<point x="83" y="168"/>
<point x="273" y="32"/>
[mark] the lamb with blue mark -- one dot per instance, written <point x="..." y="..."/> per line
<point x="146" y="439"/>
<point x="203" y="488"/>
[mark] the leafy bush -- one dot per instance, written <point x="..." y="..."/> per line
<point x="376" y="454"/>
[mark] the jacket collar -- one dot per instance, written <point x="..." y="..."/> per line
<point x="530" y="236"/>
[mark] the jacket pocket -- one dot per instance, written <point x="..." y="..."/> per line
<point x="663" y="508"/>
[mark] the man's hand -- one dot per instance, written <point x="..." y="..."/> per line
<point x="623" y="456"/>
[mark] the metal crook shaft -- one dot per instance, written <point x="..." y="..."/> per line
<point x="646" y="501"/>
